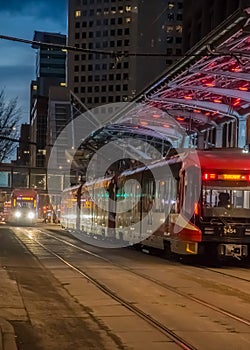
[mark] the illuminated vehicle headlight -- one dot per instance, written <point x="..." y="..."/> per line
<point x="31" y="215"/>
<point x="18" y="214"/>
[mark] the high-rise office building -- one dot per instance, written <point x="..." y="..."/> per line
<point x="50" y="71"/>
<point x="23" y="150"/>
<point x="200" y="17"/>
<point x="133" y="33"/>
<point x="50" y="61"/>
<point x="59" y="114"/>
<point x="173" y="26"/>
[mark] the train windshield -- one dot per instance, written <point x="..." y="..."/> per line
<point x="226" y="201"/>
<point x="29" y="204"/>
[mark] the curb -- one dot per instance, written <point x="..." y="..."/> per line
<point x="7" y="336"/>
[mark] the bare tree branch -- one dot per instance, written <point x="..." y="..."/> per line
<point x="9" y="117"/>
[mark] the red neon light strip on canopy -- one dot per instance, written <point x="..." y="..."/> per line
<point x="243" y="88"/>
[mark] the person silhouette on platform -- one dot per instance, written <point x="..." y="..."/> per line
<point x="223" y="199"/>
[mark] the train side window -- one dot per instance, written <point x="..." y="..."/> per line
<point x="148" y="193"/>
<point x="166" y="195"/>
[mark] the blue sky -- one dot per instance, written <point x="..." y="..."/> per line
<point x="17" y="61"/>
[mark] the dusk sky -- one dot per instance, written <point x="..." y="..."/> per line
<point x="20" y="18"/>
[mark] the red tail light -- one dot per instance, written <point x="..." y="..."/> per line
<point x="245" y="177"/>
<point x="209" y="176"/>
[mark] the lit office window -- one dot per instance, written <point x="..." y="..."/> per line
<point x="77" y="13"/>
<point x="179" y="29"/>
<point x="170" y="29"/>
<point x="171" y="5"/>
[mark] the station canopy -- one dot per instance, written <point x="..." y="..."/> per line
<point x="207" y="87"/>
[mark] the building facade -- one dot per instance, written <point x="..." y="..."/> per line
<point x="201" y="17"/>
<point x="23" y="150"/>
<point x="125" y="45"/>
<point x="50" y="71"/>
<point x="59" y="115"/>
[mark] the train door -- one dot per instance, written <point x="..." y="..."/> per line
<point x="128" y="208"/>
<point x="147" y="204"/>
<point x="185" y="235"/>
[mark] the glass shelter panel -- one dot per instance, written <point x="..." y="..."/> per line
<point x="55" y="183"/>
<point x="5" y="179"/>
<point x="38" y="180"/>
<point x="20" y="178"/>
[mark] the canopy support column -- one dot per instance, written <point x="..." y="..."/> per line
<point x="219" y="136"/>
<point x="242" y="131"/>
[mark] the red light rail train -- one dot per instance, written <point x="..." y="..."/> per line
<point x="194" y="203"/>
<point x="23" y="207"/>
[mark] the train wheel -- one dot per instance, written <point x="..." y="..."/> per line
<point x="189" y="259"/>
<point x="211" y="258"/>
<point x="137" y="246"/>
<point x="167" y="254"/>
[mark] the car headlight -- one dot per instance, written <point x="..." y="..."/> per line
<point x="31" y="215"/>
<point x="18" y="214"/>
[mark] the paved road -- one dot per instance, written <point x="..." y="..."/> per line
<point x="42" y="313"/>
<point x="52" y="306"/>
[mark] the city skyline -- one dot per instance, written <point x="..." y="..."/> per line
<point x="17" y="60"/>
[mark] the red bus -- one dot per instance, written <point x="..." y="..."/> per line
<point x="24" y="206"/>
<point x="195" y="203"/>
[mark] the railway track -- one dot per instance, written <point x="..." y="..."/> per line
<point x="182" y="343"/>
<point x="225" y="274"/>
<point x="162" y="284"/>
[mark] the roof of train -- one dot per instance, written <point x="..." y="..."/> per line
<point x="215" y="159"/>
<point x="228" y="159"/>
<point x="231" y="160"/>
<point x="24" y="191"/>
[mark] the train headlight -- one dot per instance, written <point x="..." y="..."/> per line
<point x="18" y="214"/>
<point x="31" y="215"/>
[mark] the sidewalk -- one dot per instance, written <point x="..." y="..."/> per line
<point x="10" y="301"/>
<point x="7" y="336"/>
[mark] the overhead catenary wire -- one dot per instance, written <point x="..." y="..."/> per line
<point x="117" y="55"/>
